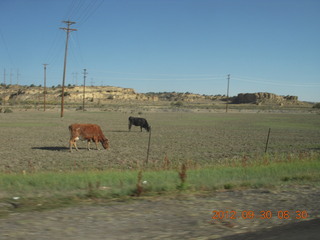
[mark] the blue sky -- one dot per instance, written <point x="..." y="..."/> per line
<point x="166" y="45"/>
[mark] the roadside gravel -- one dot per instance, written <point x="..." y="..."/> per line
<point x="170" y="217"/>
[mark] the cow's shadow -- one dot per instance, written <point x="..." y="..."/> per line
<point x="127" y="131"/>
<point x="119" y="131"/>
<point x="59" y="148"/>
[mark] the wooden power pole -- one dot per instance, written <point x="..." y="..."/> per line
<point x="84" y="87"/>
<point x="68" y="30"/>
<point x="228" y="93"/>
<point x="4" y="77"/>
<point x="44" y="86"/>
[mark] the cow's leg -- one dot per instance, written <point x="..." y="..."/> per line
<point x="72" y="142"/>
<point x="88" y="144"/>
<point x="75" y="145"/>
<point x="140" y="128"/>
<point x="129" y="126"/>
<point x="96" y="142"/>
<point x="70" y="145"/>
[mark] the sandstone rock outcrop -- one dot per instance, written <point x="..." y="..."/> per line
<point x="94" y="94"/>
<point x="18" y="93"/>
<point x="263" y="97"/>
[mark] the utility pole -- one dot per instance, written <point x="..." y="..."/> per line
<point x="11" y="75"/>
<point x="68" y="30"/>
<point x="84" y="87"/>
<point x="228" y="93"/>
<point x="4" y="77"/>
<point x="45" y="86"/>
<point x="76" y="78"/>
<point x="18" y="75"/>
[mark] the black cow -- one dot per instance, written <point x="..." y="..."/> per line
<point x="139" y="122"/>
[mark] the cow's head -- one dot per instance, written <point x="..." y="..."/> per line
<point x="148" y="128"/>
<point x="105" y="144"/>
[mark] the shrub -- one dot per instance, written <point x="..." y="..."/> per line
<point x="228" y="186"/>
<point x="7" y="110"/>
<point x="80" y="108"/>
<point x="177" y="104"/>
<point x="317" y="105"/>
<point x="66" y="94"/>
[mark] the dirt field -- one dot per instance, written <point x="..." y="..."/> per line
<point x="38" y="141"/>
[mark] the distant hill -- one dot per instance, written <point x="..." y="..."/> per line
<point x="74" y="94"/>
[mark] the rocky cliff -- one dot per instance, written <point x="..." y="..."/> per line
<point x="74" y="94"/>
<point x="264" y="98"/>
<point x="18" y="93"/>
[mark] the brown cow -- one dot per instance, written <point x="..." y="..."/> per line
<point x="89" y="132"/>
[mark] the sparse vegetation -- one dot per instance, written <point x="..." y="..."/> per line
<point x="7" y="110"/>
<point x="189" y="152"/>
<point x="56" y="187"/>
<point x="177" y="104"/>
<point x="317" y="105"/>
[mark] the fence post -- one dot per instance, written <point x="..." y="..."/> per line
<point x="148" y="147"/>
<point x="267" y="141"/>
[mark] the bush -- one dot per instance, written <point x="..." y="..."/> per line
<point x="66" y="94"/>
<point x="177" y="104"/>
<point x="80" y="108"/>
<point x="317" y="105"/>
<point x="7" y="110"/>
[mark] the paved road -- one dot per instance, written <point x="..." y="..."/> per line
<point x="306" y="230"/>
<point x="176" y="217"/>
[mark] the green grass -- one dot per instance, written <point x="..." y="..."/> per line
<point x="290" y="122"/>
<point x="65" y="188"/>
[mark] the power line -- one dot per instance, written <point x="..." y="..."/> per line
<point x="82" y="10"/>
<point x="4" y="76"/>
<point x="276" y="83"/>
<point x="11" y="76"/>
<point x="90" y="10"/>
<point x="55" y="49"/>
<point x="167" y="79"/>
<point x="79" y="59"/>
<point x="164" y="74"/>
<point x="74" y="8"/>
<point x="18" y="75"/>
<point x="6" y="48"/>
